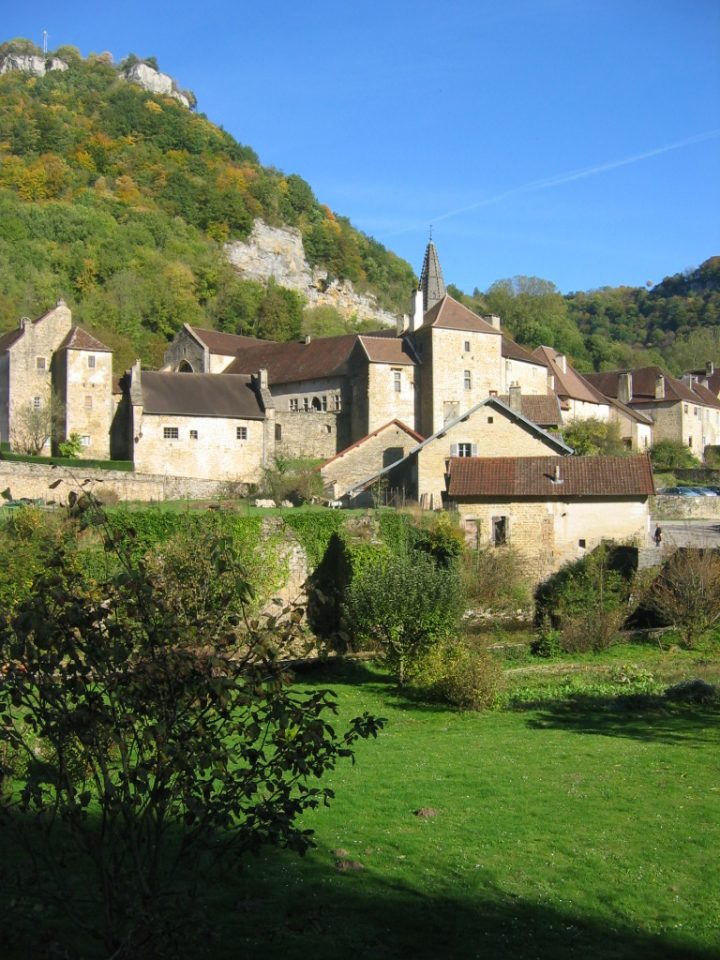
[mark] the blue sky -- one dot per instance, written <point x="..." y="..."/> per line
<point x="574" y="140"/>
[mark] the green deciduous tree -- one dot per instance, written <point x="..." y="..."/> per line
<point x="594" y="437"/>
<point x="686" y="593"/>
<point x="668" y="455"/>
<point x="405" y="603"/>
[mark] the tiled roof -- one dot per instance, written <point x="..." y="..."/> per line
<point x="643" y="386"/>
<point x="569" y="383"/>
<point x="543" y="410"/>
<point x="223" y="344"/>
<point x="79" y="339"/>
<point x="516" y="477"/>
<point x="448" y="314"/>
<point x="706" y="395"/>
<point x="636" y="415"/>
<point x="295" y="361"/>
<point x="513" y="351"/>
<point x="9" y="338"/>
<point x="358" y="443"/>
<point x="385" y="350"/>
<point x="199" y="395"/>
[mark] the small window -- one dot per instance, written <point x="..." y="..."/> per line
<point x="467" y="346"/>
<point x="241" y="433"/>
<point x="696" y="411"/>
<point x="690" y="441"/>
<point x="91" y="361"/>
<point x="328" y="428"/>
<point x="324" y="403"/>
<point x="491" y="419"/>
<point x="581" y="544"/>
<point x="37" y="403"/>
<point x="499" y="531"/>
<point x="85" y="441"/>
<point x="278" y="432"/>
<point x="306" y="404"/>
<point x="88" y="402"/>
<point x="40" y="363"/>
<point x="294" y="403"/>
<point x="170" y="433"/>
<point x="467" y="379"/>
<point x="193" y="435"/>
<point x="337" y="402"/>
<point x="685" y="408"/>
<point x="464" y="449"/>
<point x="397" y="381"/>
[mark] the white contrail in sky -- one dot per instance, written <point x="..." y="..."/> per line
<point x="582" y="174"/>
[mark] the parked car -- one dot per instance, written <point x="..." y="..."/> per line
<point x="680" y="491"/>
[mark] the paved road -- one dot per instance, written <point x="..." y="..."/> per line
<point x="690" y="533"/>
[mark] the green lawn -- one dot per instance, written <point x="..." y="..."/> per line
<point x="563" y="832"/>
<point x="578" y="828"/>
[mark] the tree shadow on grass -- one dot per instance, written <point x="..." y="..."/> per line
<point x="638" y="717"/>
<point x="281" y="907"/>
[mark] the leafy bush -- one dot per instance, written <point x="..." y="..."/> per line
<point x="405" y="604"/>
<point x="460" y="674"/>
<point x="686" y="593"/>
<point x="153" y="699"/>
<point x="493" y="579"/>
<point x="669" y="455"/>
<point x="297" y="482"/>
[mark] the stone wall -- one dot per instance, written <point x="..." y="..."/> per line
<point x="363" y="460"/>
<point x="278" y="252"/>
<point x="548" y="534"/>
<point x="685" y="508"/>
<point x="88" y="400"/>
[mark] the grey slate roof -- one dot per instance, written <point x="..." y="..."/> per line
<point x="431" y="278"/>
<point x="200" y="395"/>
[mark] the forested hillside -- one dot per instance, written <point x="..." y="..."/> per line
<point x="120" y="201"/>
<point x="675" y="323"/>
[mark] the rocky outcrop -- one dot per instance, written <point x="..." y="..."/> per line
<point x="278" y="252"/>
<point x="27" y="63"/>
<point x="153" y="81"/>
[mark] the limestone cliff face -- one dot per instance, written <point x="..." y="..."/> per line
<point x="26" y="63"/>
<point x="278" y="252"/>
<point x="155" y="82"/>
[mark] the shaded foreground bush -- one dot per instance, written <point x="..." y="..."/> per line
<point x="145" y="732"/>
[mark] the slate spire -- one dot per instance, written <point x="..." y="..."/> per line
<point x="431" y="278"/>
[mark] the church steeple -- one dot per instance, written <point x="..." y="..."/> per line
<point x="432" y="284"/>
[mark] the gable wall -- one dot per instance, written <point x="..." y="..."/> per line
<point x="384" y="402"/>
<point x="546" y="534"/>
<point x="449" y="360"/>
<point x="369" y="457"/>
<point x="81" y="382"/>
<point x="532" y="378"/>
<point x="502" y="437"/>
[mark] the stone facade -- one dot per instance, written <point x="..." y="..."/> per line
<point x="84" y="381"/>
<point x="548" y="533"/>
<point x="388" y="445"/>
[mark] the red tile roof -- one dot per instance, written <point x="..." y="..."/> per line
<point x="385" y="350"/>
<point x="543" y="410"/>
<point x="223" y="344"/>
<point x="514" y="351"/>
<point x="643" y="386"/>
<point x="448" y="314"/>
<point x="569" y="383"/>
<point x="533" y="477"/>
<point x="358" y="443"/>
<point x="9" y="338"/>
<point x="79" y="339"/>
<point x="295" y="361"/>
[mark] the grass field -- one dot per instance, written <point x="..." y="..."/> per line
<point x="585" y="827"/>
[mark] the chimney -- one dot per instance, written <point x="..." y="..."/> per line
<point x="709" y="368"/>
<point x="308" y="338"/>
<point x="659" y="387"/>
<point x="403" y="322"/>
<point x="625" y="387"/>
<point x="515" y="400"/>
<point x="262" y="378"/>
<point x="556" y="474"/>
<point x="416" y="319"/>
<point x="551" y="382"/>
<point x="136" y="397"/>
<point x="494" y="320"/>
<point x="561" y="361"/>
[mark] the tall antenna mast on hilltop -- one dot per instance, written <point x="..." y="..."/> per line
<point x="45" y="40"/>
